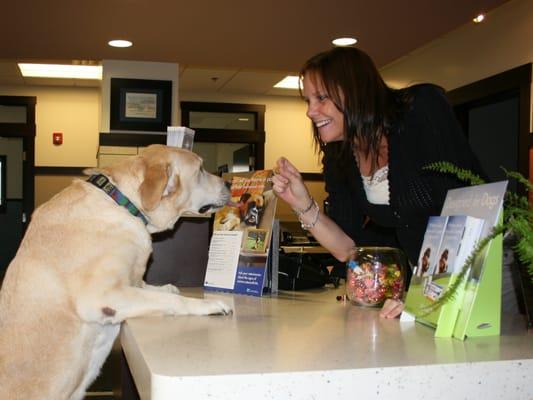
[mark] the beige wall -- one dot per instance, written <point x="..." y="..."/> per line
<point x="46" y="186"/>
<point x="74" y="111"/>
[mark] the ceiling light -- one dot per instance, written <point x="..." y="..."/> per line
<point x="120" y="43"/>
<point x="289" y="82"/>
<point x="479" y="18"/>
<point x="345" y="41"/>
<point x="61" y="71"/>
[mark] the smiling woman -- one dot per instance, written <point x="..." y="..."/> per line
<point x="374" y="141"/>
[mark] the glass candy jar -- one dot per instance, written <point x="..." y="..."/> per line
<point x="375" y="274"/>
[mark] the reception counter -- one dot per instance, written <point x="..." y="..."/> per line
<point x="308" y="345"/>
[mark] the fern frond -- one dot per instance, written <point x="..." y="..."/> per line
<point x="520" y="178"/>
<point x="450" y="168"/>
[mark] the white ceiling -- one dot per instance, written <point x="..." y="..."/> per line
<point x="235" y="46"/>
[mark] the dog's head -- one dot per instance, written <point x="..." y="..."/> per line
<point x="167" y="182"/>
<point x="252" y="208"/>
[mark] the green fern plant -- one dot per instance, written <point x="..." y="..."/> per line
<point x="517" y="218"/>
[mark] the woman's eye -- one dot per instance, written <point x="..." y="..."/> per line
<point x="322" y="97"/>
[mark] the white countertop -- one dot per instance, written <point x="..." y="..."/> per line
<point x="307" y="345"/>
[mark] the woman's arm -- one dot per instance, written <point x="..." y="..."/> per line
<point x="289" y="186"/>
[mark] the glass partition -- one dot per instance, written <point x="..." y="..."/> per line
<point x="13" y="114"/>
<point x="222" y="120"/>
<point x="229" y="137"/>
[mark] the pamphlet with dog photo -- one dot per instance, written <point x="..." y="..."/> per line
<point x="242" y="233"/>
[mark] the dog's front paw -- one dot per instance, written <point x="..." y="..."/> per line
<point x="207" y="307"/>
<point x="223" y="308"/>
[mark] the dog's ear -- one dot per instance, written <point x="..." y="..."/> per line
<point x="159" y="181"/>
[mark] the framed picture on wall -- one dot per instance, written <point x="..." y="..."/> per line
<point x="3" y="164"/>
<point x="140" y="105"/>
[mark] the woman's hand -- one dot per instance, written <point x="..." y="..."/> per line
<point x="391" y="308"/>
<point x="289" y="186"/>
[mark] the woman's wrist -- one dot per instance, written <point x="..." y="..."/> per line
<point x="309" y="216"/>
<point x="301" y="211"/>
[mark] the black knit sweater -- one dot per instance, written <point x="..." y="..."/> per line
<point x="428" y="132"/>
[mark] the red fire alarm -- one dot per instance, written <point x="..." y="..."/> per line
<point x="57" y="138"/>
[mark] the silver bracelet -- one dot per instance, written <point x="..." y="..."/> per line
<point x="299" y="213"/>
<point x="315" y="219"/>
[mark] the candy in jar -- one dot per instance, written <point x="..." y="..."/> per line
<point x="374" y="275"/>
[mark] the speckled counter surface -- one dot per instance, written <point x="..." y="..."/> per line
<point x="307" y="345"/>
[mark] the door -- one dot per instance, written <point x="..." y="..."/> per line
<point x="17" y="137"/>
<point x="11" y="219"/>
<point x="495" y="114"/>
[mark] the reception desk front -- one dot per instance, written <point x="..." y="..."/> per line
<point x="308" y="345"/>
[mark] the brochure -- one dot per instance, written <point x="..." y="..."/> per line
<point x="242" y="234"/>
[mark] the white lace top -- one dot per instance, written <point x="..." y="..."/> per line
<point x="377" y="186"/>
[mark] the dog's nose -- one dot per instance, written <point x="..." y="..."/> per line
<point x="227" y="184"/>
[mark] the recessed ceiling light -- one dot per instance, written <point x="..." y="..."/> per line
<point x="479" y="18"/>
<point x="289" y="82"/>
<point x="345" y="41"/>
<point x="61" y="71"/>
<point x="120" y="43"/>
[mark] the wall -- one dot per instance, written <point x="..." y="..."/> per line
<point x="74" y="111"/>
<point x="472" y="52"/>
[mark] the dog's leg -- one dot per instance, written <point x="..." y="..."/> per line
<point x="168" y="288"/>
<point x="129" y="302"/>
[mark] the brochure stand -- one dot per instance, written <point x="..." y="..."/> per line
<point x="273" y="259"/>
<point x="475" y="309"/>
<point x="245" y="242"/>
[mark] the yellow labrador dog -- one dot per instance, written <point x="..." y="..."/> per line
<point x="78" y="272"/>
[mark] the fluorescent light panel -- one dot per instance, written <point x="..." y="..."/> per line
<point x="289" y="82"/>
<point x="61" y="71"/>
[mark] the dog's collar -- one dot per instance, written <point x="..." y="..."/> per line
<point x="102" y="182"/>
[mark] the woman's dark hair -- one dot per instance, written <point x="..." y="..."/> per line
<point x="355" y="86"/>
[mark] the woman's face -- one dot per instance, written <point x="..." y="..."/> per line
<point x="321" y="110"/>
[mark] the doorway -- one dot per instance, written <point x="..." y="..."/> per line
<point x="495" y="115"/>
<point x="17" y="144"/>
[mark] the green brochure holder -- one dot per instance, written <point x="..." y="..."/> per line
<point x="480" y="313"/>
<point x="475" y="309"/>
